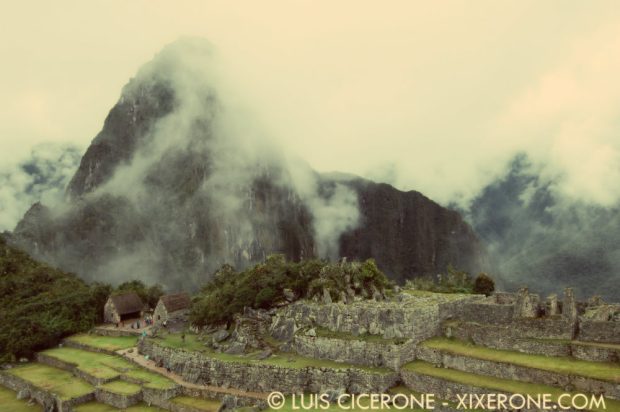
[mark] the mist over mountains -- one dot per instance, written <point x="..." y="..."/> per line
<point x="183" y="178"/>
<point x="534" y="236"/>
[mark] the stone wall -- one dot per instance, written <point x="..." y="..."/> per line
<point x="445" y="389"/>
<point x="518" y="373"/>
<point x="105" y="331"/>
<point x="117" y="400"/>
<point x="504" y="337"/>
<point x="42" y="397"/>
<point x="198" y="368"/>
<point x="231" y="400"/>
<point x="71" y="367"/>
<point x="358" y="352"/>
<point x="78" y="345"/>
<point x="416" y="318"/>
<point x="486" y="312"/>
<point x="599" y="331"/>
<point x="110" y="315"/>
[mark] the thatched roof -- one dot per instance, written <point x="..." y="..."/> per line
<point x="176" y="301"/>
<point x="126" y="303"/>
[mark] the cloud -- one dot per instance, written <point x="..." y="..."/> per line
<point x="41" y="177"/>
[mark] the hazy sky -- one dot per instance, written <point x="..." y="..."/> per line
<point x="430" y="95"/>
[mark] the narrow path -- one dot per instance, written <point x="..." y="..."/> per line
<point x="133" y="355"/>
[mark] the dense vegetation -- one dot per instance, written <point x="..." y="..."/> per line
<point x="454" y="281"/>
<point x="40" y="305"/>
<point x="266" y="285"/>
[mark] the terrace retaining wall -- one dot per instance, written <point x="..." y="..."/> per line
<point x="198" y="368"/>
<point x="42" y="397"/>
<point x="505" y="370"/>
<point x="358" y="352"/>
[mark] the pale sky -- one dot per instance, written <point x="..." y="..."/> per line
<point x="430" y="95"/>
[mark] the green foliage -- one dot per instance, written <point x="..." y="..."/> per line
<point x="149" y="295"/>
<point x="483" y="284"/>
<point x="454" y="281"/>
<point x="41" y="305"/>
<point x="262" y="286"/>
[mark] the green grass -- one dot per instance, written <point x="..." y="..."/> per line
<point x="198" y="403"/>
<point x="109" y="366"/>
<point x="9" y="402"/>
<point x="99" y="365"/>
<point x="612" y="346"/>
<point x="121" y="387"/>
<point x="94" y="407"/>
<point x="173" y="340"/>
<point x="406" y="391"/>
<point x="106" y="366"/>
<point x="563" y="365"/>
<point x="496" y="384"/>
<point x="150" y="379"/>
<point x="278" y="359"/>
<point x="53" y="380"/>
<point x="111" y="343"/>
<point x="102" y="407"/>
<point x="326" y="333"/>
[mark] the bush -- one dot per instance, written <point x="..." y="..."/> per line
<point x="40" y="305"/>
<point x="483" y="284"/>
<point x="263" y="285"/>
<point x="455" y="281"/>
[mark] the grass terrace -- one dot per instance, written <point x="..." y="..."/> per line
<point x="111" y="343"/>
<point x="285" y="360"/>
<point x="406" y="391"/>
<point x="99" y="365"/>
<point x="106" y="366"/>
<point x="564" y="365"/>
<point x="198" y="403"/>
<point x="9" y="402"/>
<point x="121" y="387"/>
<point x="494" y="384"/>
<point x="53" y="380"/>
<point x="102" y="407"/>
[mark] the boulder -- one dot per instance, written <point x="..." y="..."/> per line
<point x="236" y="348"/>
<point x="288" y="295"/>
<point x="327" y="299"/>
<point x="220" y="335"/>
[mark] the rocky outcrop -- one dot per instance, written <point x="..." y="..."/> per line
<point x="188" y="196"/>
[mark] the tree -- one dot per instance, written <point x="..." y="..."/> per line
<point x="484" y="284"/>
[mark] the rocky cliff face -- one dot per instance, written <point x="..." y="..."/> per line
<point x="178" y="183"/>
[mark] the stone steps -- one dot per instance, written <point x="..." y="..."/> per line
<point x="591" y="377"/>
<point x="447" y="383"/>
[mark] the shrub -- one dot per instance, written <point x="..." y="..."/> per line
<point x="483" y="284"/>
<point x="262" y="286"/>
